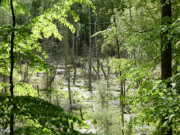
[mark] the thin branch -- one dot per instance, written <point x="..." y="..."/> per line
<point x="149" y="11"/>
<point x="144" y="31"/>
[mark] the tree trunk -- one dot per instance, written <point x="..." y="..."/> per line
<point x="97" y="48"/>
<point x="90" y="62"/>
<point x="90" y="71"/>
<point x="108" y="74"/>
<point x="57" y="100"/>
<point x="69" y="92"/>
<point x="122" y="104"/>
<point x="81" y="113"/>
<point x="12" y="117"/>
<point x="102" y="68"/>
<point x="38" y="91"/>
<point x="130" y="13"/>
<point x="66" y="47"/>
<point x="114" y="19"/>
<point x="25" y="79"/>
<point x="166" y="55"/>
<point x="73" y="58"/>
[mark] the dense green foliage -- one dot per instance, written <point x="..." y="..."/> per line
<point x="35" y="115"/>
<point x="124" y="36"/>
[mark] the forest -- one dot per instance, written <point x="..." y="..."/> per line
<point x="89" y="67"/>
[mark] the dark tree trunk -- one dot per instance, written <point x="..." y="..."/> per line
<point x="166" y="55"/>
<point x="12" y="68"/>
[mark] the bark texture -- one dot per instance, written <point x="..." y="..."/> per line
<point x="166" y="56"/>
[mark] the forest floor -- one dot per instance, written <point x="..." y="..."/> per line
<point x="84" y="102"/>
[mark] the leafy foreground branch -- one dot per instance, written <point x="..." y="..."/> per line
<point x="36" y="116"/>
<point x="155" y="101"/>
